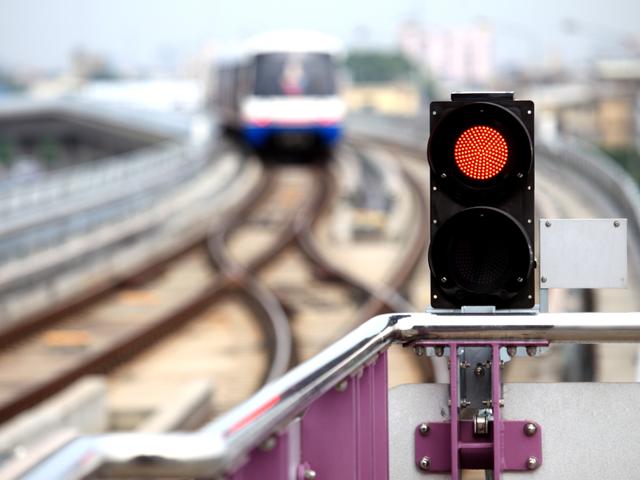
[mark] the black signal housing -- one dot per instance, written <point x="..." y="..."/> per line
<point x="482" y="229"/>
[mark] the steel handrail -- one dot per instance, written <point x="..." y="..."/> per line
<point x="114" y="172"/>
<point x="223" y="443"/>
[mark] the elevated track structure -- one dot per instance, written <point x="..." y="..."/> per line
<point x="287" y="203"/>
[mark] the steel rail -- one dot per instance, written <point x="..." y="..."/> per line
<point x="235" y="278"/>
<point x="139" y="339"/>
<point x="385" y="298"/>
<point x="223" y="443"/>
<point x="12" y="333"/>
<point x="382" y="299"/>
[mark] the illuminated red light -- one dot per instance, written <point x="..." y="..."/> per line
<point x="481" y="152"/>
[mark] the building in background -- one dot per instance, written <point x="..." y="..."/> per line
<point x="460" y="55"/>
<point x="620" y="117"/>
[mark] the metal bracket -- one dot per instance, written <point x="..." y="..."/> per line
<point x="521" y="447"/>
<point x="486" y="441"/>
<point x="478" y="309"/>
<point x="483" y="310"/>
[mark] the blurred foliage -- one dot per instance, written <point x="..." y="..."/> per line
<point x="6" y="151"/>
<point x="48" y="150"/>
<point x="375" y="66"/>
<point x="627" y="158"/>
<point x="369" y="66"/>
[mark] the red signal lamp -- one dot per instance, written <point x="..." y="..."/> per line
<point x="482" y="181"/>
<point x="481" y="152"/>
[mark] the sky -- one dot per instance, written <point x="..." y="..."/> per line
<point x="41" y="34"/>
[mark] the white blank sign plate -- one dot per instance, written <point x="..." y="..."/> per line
<point x="583" y="253"/>
<point x="589" y="430"/>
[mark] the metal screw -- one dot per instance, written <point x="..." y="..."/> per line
<point x="529" y="112"/>
<point x="547" y="223"/>
<point x="443" y="280"/>
<point x="434" y="112"/>
<point x="425" y="463"/>
<point x="519" y="175"/>
<point x="512" y="350"/>
<point x="435" y="188"/>
<point x="443" y="175"/>
<point x="529" y="187"/>
<point x="501" y="402"/>
<point x="435" y="297"/>
<point x="529" y="220"/>
<point x="529" y="297"/>
<point x="519" y="279"/>
<point x="543" y="279"/>
<point x="342" y="386"/>
<point x="464" y="403"/>
<point x="479" y="371"/>
<point x="310" y="474"/>
<point x="419" y="351"/>
<point x="439" y="351"/>
<point x="532" y="463"/>
<point x="435" y="221"/>
<point x="424" y="428"/>
<point x="616" y="223"/>
<point x="530" y="429"/>
<point x="531" y="351"/>
<point x="269" y="444"/>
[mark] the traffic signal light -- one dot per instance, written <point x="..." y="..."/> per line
<point x="482" y="201"/>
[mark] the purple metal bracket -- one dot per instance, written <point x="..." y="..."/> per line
<point x="450" y="446"/>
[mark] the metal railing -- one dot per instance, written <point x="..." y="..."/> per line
<point x="52" y="273"/>
<point x="224" y="446"/>
<point x="47" y="208"/>
<point x="55" y="204"/>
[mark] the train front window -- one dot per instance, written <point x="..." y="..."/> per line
<point x="288" y="74"/>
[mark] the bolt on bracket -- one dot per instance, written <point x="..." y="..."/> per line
<point x="485" y="442"/>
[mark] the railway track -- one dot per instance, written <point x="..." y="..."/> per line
<point x="93" y="335"/>
<point x="273" y="252"/>
<point x="259" y="294"/>
<point x="262" y="287"/>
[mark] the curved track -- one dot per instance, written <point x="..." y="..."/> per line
<point x="265" y="252"/>
<point x="264" y="264"/>
<point x="107" y="327"/>
<point x="112" y="328"/>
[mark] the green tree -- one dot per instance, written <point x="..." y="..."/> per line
<point x="6" y="151"/>
<point x="369" y="66"/>
<point x="627" y="158"/>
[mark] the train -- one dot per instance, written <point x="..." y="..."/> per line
<point x="283" y="87"/>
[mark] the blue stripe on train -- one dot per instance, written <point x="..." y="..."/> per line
<point x="257" y="135"/>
